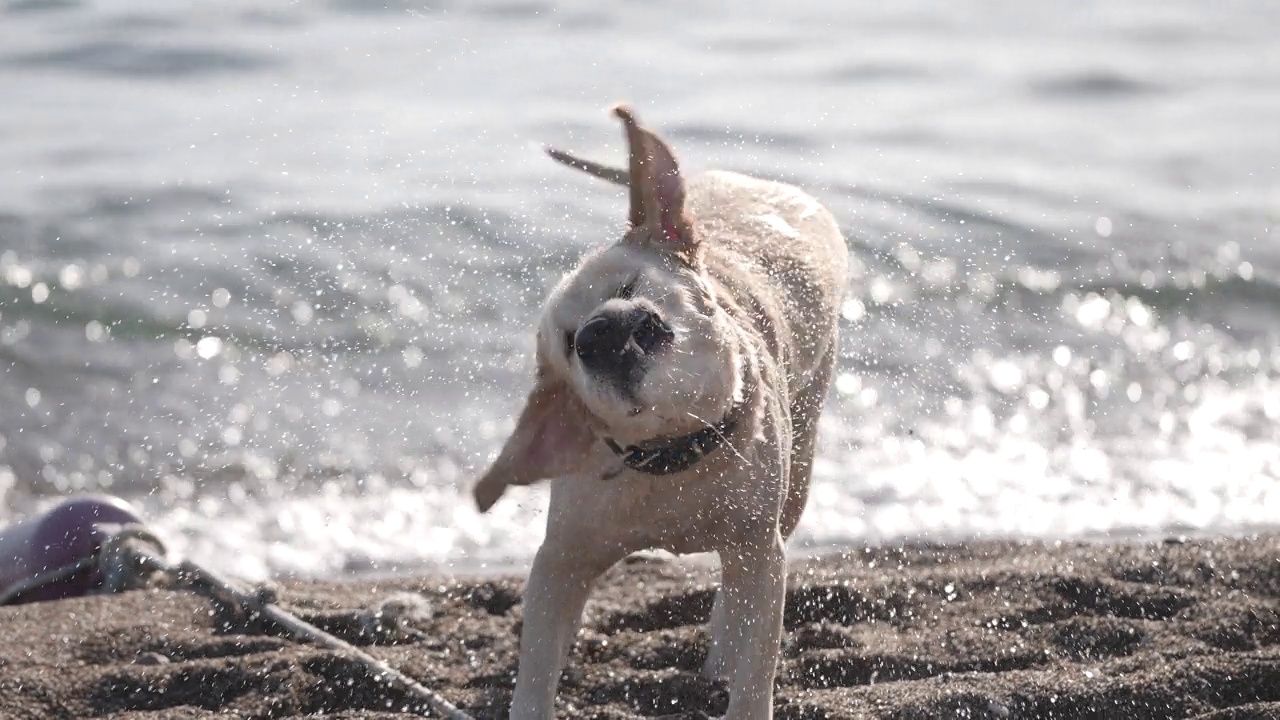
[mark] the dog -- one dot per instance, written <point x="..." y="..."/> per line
<point x="680" y="375"/>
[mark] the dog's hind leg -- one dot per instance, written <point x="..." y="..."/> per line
<point x="806" y="408"/>
<point x="805" y="411"/>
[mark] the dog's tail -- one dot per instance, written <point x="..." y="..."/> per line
<point x="617" y="176"/>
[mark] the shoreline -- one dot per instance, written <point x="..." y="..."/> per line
<point x="986" y="629"/>
<point x="807" y="553"/>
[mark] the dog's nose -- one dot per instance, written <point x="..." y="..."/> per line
<point x="649" y="330"/>
<point x="616" y="340"/>
<point x="601" y="340"/>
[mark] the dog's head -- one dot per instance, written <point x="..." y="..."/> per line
<point x="633" y="344"/>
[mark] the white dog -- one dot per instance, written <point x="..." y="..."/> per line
<point x="680" y="375"/>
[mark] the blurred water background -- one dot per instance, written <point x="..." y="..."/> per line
<point x="269" y="269"/>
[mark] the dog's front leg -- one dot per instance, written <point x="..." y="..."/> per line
<point x="754" y="590"/>
<point x="580" y="545"/>
<point x="720" y="653"/>
<point x="553" y="600"/>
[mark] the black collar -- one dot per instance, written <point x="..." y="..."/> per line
<point x="667" y="456"/>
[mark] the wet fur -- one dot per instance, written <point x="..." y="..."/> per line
<point x="750" y="273"/>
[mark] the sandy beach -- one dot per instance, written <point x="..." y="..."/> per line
<point x="1176" y="629"/>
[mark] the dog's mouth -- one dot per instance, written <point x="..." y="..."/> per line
<point x="618" y="344"/>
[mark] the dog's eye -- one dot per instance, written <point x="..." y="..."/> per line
<point x="627" y="290"/>
<point x="568" y="343"/>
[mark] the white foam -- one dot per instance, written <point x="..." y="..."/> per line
<point x="1007" y="486"/>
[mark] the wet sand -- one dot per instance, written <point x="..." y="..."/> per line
<point x="1182" y="629"/>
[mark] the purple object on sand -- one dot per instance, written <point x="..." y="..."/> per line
<point x="70" y="531"/>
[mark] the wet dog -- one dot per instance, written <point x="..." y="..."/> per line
<point x="680" y="375"/>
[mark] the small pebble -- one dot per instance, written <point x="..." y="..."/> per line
<point x="151" y="658"/>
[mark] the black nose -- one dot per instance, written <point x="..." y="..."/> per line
<point x="605" y="342"/>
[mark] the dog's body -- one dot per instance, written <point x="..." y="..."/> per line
<point x="702" y="343"/>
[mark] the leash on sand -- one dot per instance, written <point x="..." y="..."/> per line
<point x="122" y="554"/>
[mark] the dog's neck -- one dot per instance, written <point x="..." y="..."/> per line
<point x="671" y="455"/>
<point x="668" y="455"/>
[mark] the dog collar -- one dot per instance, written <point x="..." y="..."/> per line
<point x="669" y="456"/>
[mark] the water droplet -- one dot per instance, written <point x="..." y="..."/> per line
<point x="1038" y="399"/>
<point x="209" y="347"/>
<point x="881" y="291"/>
<point x="848" y="384"/>
<point x="1099" y="379"/>
<point x="1137" y="312"/>
<point x="853" y="310"/>
<point x="229" y="375"/>
<point x="232" y="436"/>
<point x="1006" y="376"/>
<point x="71" y="277"/>
<point x="17" y="275"/>
<point x="1093" y="312"/>
<point x="302" y="312"/>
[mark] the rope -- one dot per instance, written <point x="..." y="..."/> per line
<point x="39" y="580"/>
<point x="124" y="559"/>
<point x="263" y="603"/>
<point x="128" y="557"/>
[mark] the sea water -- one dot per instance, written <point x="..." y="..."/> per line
<point x="269" y="270"/>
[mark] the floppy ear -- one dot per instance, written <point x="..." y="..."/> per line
<point x="550" y="440"/>
<point x="657" y="189"/>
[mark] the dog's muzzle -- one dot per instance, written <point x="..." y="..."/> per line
<point x="616" y="342"/>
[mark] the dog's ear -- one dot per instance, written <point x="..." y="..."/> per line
<point x="657" y="190"/>
<point x="551" y="439"/>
